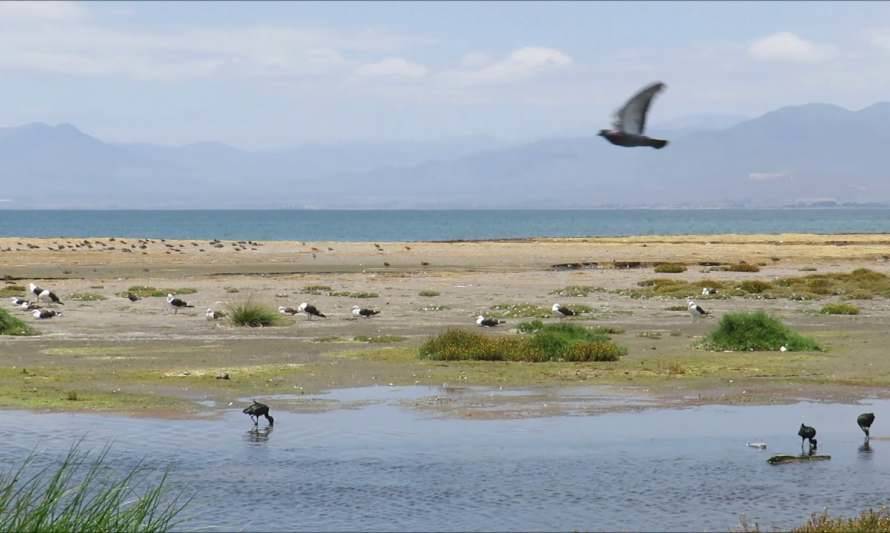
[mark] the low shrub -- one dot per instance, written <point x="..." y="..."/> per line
<point x="252" y="315"/>
<point x="576" y="291"/>
<point x="670" y="268"/>
<point x="10" y="325"/>
<point x="741" y="267"/>
<point x="839" y="309"/>
<point x="757" y="331"/>
<point x="428" y="294"/>
<point x="86" y="297"/>
<point x="523" y="310"/>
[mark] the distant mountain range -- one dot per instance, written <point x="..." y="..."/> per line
<point x="817" y="154"/>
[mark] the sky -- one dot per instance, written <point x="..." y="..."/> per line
<point x="263" y="75"/>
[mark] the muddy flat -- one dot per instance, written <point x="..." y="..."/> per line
<point x="108" y="353"/>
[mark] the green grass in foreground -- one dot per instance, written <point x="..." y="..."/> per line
<point x="152" y="292"/>
<point x="757" y="331"/>
<point x="544" y="342"/>
<point x="252" y="315"/>
<point x="868" y="522"/>
<point x="79" y="496"/>
<point x="839" y="309"/>
<point x="10" y="325"/>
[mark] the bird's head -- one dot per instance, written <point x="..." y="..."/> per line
<point x="169" y="297"/>
<point x="479" y="319"/>
<point x="281" y="308"/>
<point x="302" y="307"/>
<point x="555" y="308"/>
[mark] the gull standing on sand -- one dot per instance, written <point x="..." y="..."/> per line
<point x="695" y="310"/>
<point x="177" y="303"/>
<point x="310" y="310"/>
<point x="561" y="311"/>
<point x="44" y="294"/>
<point x="358" y="312"/>
<point x="483" y="322"/>
<point x="630" y="121"/>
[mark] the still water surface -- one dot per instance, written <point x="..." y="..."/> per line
<point x="383" y="466"/>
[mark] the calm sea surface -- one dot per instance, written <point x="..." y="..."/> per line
<point x="387" y="467"/>
<point x="434" y="225"/>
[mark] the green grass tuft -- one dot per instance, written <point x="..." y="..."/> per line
<point x="869" y="521"/>
<point x="670" y="268"/>
<point x="359" y="295"/>
<point x="12" y="290"/>
<point x="523" y="310"/>
<point x="86" y="297"/>
<point x="249" y="314"/>
<point x="428" y="294"/>
<point x="78" y="495"/>
<point x="741" y="267"/>
<point x="152" y="292"/>
<point x="757" y="331"/>
<point x="543" y="342"/>
<point x="839" y="309"/>
<point x="316" y="290"/>
<point x="10" y="325"/>
<point x="379" y="339"/>
<point x="576" y="291"/>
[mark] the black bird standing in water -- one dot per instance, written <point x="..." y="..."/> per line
<point x="256" y="410"/>
<point x="865" y="420"/>
<point x="809" y="433"/>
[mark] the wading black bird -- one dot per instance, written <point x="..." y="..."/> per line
<point x="630" y="121"/>
<point x="562" y="311"/>
<point x="808" y="433"/>
<point x="865" y="420"/>
<point x="363" y="312"/>
<point x="256" y="410"/>
<point x="310" y="310"/>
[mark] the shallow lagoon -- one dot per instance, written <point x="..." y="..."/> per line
<point x="379" y="465"/>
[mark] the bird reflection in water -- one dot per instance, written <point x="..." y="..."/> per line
<point x="865" y="448"/>
<point x="259" y="435"/>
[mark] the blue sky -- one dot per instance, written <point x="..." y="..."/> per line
<point x="271" y="74"/>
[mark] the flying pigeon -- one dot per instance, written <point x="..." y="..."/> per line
<point x="483" y="322"/>
<point x="630" y="121"/>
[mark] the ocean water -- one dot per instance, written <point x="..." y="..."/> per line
<point x="415" y="225"/>
<point x="386" y="467"/>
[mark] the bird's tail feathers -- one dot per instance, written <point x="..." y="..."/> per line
<point x="658" y="144"/>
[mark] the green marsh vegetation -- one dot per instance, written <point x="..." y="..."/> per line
<point x="522" y="310"/>
<point x="428" y="293"/>
<point x="860" y="284"/>
<point x="576" y="291"/>
<point x="756" y="331"/>
<point x="12" y="290"/>
<point x="539" y="343"/>
<point x="670" y="268"/>
<point x="251" y="314"/>
<point x="10" y="325"/>
<point x="839" y="309"/>
<point x="86" y="297"/>
<point x="144" y="291"/>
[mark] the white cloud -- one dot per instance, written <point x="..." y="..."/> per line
<point x="393" y="67"/>
<point x="789" y="47"/>
<point x="880" y="38"/>
<point x="39" y="11"/>
<point x="521" y="64"/>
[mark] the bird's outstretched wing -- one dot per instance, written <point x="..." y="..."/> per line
<point x="632" y="117"/>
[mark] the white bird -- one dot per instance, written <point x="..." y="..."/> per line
<point x="759" y="445"/>
<point x="41" y="314"/>
<point x="287" y="310"/>
<point x="210" y="314"/>
<point x="177" y="303"/>
<point x="695" y="310"/>
<point x="562" y="311"/>
<point x="310" y="310"/>
<point x="483" y="322"/>
<point x="363" y="312"/>
<point x="630" y="121"/>
<point x="707" y="291"/>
